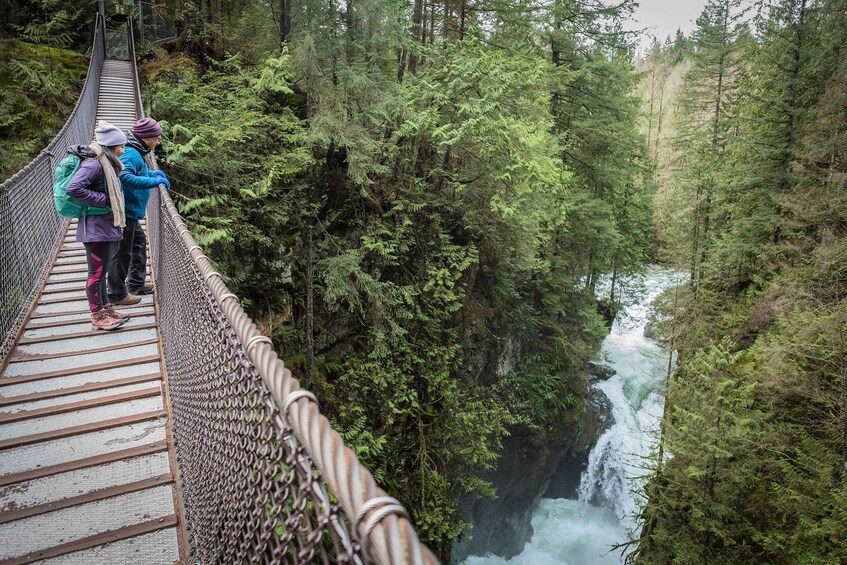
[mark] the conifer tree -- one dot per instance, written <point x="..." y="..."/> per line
<point x="709" y="91"/>
<point x="712" y="432"/>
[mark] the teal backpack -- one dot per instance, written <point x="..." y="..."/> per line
<point x="65" y="170"/>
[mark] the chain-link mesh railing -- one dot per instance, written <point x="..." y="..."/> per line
<point x="246" y="435"/>
<point x="155" y="27"/>
<point x="29" y="226"/>
<point x="118" y="39"/>
<point x="250" y="493"/>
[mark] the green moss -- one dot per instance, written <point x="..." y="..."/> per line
<point x="70" y="60"/>
<point x="40" y="86"/>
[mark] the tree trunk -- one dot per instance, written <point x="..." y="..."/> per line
<point x="310" y="294"/>
<point x="659" y="119"/>
<point x="462" y="15"/>
<point x="695" y="240"/>
<point x="652" y="104"/>
<point x="432" y="22"/>
<point x="348" y="20"/>
<point x="556" y="58"/>
<point x="417" y="34"/>
<point x="284" y="20"/>
<point x="792" y="96"/>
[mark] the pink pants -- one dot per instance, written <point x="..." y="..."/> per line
<point x="97" y="255"/>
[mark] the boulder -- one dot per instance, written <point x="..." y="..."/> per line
<point x="600" y="371"/>
<point x="650" y="329"/>
<point x="597" y="419"/>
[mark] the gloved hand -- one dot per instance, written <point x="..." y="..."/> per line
<point x="158" y="173"/>
<point x="162" y="180"/>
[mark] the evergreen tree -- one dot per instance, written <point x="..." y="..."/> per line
<point x="709" y="93"/>
<point x="774" y="283"/>
<point x="712" y="433"/>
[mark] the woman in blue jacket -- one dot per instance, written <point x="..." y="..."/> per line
<point x="129" y="259"/>
<point x="96" y="184"/>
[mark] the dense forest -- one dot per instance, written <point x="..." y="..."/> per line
<point x="42" y="70"/>
<point x="417" y="201"/>
<point x="752" y="465"/>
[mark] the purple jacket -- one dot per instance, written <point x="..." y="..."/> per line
<point x="88" y="186"/>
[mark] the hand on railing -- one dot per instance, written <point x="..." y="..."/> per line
<point x="162" y="178"/>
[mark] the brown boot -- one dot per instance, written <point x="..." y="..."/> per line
<point x="147" y="288"/>
<point x="115" y="314"/>
<point x="128" y="300"/>
<point x="101" y="320"/>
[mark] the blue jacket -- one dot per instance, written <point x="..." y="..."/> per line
<point x="136" y="183"/>
<point x="89" y="187"/>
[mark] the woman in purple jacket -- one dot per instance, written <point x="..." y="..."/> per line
<point x="96" y="184"/>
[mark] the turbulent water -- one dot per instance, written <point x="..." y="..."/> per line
<point x="583" y="531"/>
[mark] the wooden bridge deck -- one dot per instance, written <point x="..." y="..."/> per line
<point x="86" y="469"/>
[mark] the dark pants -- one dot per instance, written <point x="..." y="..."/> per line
<point x="98" y="256"/>
<point x="129" y="262"/>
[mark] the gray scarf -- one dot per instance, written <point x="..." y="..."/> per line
<point x="116" y="194"/>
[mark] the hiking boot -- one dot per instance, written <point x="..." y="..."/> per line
<point x="115" y="314"/>
<point x="128" y="300"/>
<point x="101" y="320"/>
<point x="146" y="289"/>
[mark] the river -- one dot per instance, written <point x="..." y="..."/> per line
<point x="583" y="531"/>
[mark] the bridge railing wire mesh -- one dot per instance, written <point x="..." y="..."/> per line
<point x="252" y="447"/>
<point x="29" y="226"/>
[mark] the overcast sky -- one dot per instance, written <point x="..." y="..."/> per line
<point x="662" y="18"/>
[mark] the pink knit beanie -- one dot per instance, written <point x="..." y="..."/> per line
<point x="147" y="127"/>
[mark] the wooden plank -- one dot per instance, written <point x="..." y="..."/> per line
<point x="83" y="278"/>
<point x="5" y="381"/>
<point x="90" y="387"/>
<point x="90" y="333"/>
<point x="81" y="311"/>
<point x="105" y="458"/>
<point x="24" y="358"/>
<point x="55" y="271"/>
<point x="95" y="540"/>
<point x="83" y="429"/>
<point x="50" y="301"/>
<point x="81" y="288"/>
<point x="9" y="417"/>
<point x="62" y="323"/>
<point x="102" y="494"/>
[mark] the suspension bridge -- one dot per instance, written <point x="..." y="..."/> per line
<point x="179" y="438"/>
